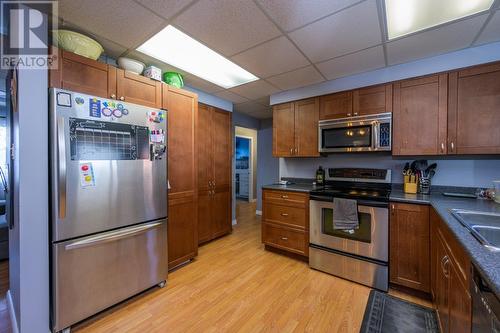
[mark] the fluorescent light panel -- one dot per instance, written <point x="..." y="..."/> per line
<point x="180" y="50"/>
<point x="408" y="16"/>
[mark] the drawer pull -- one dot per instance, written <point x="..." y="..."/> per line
<point x="284" y="214"/>
<point x="284" y="196"/>
<point x="284" y="238"/>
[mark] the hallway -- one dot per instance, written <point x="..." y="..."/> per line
<point x="4" y="286"/>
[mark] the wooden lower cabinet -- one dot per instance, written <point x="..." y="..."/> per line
<point x="182" y="229"/>
<point x="450" y="279"/>
<point x="410" y="246"/>
<point x="285" y="221"/>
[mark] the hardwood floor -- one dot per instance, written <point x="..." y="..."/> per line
<point x="4" y="286"/>
<point x="234" y="285"/>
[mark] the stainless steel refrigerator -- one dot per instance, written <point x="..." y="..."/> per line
<point x="108" y="203"/>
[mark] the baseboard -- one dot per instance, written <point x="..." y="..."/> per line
<point x="258" y="212"/>
<point x="12" y="313"/>
<point x="234" y="222"/>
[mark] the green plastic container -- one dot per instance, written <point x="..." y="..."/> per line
<point x="174" y="79"/>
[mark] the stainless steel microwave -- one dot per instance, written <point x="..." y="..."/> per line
<point x="356" y="134"/>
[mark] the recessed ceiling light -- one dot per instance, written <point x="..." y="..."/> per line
<point x="408" y="16"/>
<point x="180" y="50"/>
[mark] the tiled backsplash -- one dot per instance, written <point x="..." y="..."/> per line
<point x="450" y="172"/>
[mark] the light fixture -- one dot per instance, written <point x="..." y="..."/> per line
<point x="407" y="16"/>
<point x="180" y="50"/>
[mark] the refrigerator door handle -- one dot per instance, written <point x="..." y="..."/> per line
<point x="61" y="170"/>
<point x="111" y="236"/>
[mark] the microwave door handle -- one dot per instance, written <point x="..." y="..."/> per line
<point x="376" y="135"/>
<point x="61" y="168"/>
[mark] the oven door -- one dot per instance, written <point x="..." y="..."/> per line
<point x="370" y="240"/>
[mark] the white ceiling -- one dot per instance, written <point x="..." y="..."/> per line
<point x="287" y="43"/>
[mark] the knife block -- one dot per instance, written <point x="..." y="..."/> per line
<point x="410" y="184"/>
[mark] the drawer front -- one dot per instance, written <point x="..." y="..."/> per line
<point x="296" y="199"/>
<point x="284" y="238"/>
<point x="286" y="215"/>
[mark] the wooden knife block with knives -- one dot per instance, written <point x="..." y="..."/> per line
<point x="410" y="183"/>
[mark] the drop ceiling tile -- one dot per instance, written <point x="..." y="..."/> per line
<point x="228" y="27"/>
<point x="433" y="42"/>
<point x="251" y="108"/>
<point x="255" y="90"/>
<point x="271" y="58"/>
<point x="354" y="63"/>
<point x="291" y="14"/>
<point x="492" y="31"/>
<point x="125" y="22"/>
<point x="201" y="84"/>
<point x="350" y="30"/>
<point x="265" y="101"/>
<point x="298" y="78"/>
<point x="167" y="9"/>
<point x="231" y="96"/>
<point x="262" y="114"/>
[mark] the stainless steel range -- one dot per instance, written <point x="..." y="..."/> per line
<point x="359" y="254"/>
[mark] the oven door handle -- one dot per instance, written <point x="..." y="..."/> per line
<point x="368" y="203"/>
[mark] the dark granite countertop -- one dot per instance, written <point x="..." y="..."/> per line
<point x="486" y="261"/>
<point x="306" y="188"/>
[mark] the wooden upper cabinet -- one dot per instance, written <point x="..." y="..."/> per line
<point x="420" y="116"/>
<point x="138" y="89"/>
<point x="334" y="106"/>
<point x="84" y="75"/>
<point x="410" y="246"/>
<point x="372" y="100"/>
<point x="474" y="110"/>
<point x="306" y="127"/>
<point x="283" y="130"/>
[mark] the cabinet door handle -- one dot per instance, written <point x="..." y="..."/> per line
<point x="113" y="96"/>
<point x="284" y="214"/>
<point x="348" y="114"/>
<point x="296" y="150"/>
<point x="442" y="147"/>
<point x="355" y="113"/>
<point x="452" y="146"/>
<point x="445" y="265"/>
<point x="291" y="151"/>
<point x="284" y="238"/>
<point x="122" y="98"/>
<point x="284" y="196"/>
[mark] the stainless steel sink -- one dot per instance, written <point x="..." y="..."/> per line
<point x="484" y="226"/>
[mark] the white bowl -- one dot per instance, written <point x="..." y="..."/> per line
<point x="130" y="65"/>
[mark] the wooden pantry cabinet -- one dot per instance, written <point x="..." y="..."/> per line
<point x="295" y="129"/>
<point x="182" y="166"/>
<point x="474" y="110"/>
<point x="285" y="221"/>
<point x="409" y="229"/>
<point x="87" y="76"/>
<point x="214" y="152"/>
<point x="420" y="116"/>
<point x="450" y="279"/>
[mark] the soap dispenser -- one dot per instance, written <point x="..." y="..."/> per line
<point x="320" y="176"/>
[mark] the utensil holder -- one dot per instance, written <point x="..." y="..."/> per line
<point x="410" y="186"/>
<point x="424" y="185"/>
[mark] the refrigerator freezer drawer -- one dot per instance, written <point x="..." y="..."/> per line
<point x="93" y="273"/>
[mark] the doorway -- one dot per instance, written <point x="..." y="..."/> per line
<point x="245" y="163"/>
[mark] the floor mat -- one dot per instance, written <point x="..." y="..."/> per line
<point x="385" y="313"/>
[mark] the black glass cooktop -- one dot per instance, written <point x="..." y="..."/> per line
<point x="378" y="192"/>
